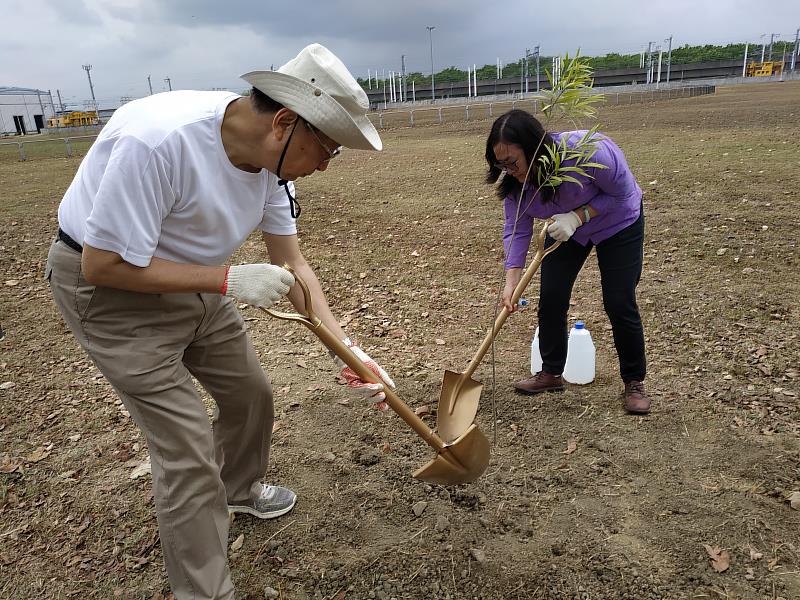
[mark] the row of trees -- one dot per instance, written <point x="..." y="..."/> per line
<point x="680" y="55"/>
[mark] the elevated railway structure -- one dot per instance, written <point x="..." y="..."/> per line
<point x="680" y="74"/>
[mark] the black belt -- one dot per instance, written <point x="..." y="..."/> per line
<point x="69" y="241"/>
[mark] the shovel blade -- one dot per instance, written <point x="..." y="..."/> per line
<point x="463" y="461"/>
<point x="458" y="405"/>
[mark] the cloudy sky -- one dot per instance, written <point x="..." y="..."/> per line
<point x="205" y="44"/>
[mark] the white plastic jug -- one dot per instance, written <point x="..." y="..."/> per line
<point x="536" y="357"/>
<point x="580" y="355"/>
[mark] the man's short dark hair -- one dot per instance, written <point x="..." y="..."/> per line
<point x="263" y="103"/>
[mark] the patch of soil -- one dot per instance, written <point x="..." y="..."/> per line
<point x="407" y="243"/>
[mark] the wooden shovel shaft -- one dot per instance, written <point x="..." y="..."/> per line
<point x="338" y="347"/>
<point x="501" y="318"/>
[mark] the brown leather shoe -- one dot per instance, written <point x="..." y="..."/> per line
<point x="636" y="400"/>
<point x="541" y="382"/>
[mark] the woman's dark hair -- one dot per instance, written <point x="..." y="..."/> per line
<point x="263" y="103"/>
<point x="524" y="130"/>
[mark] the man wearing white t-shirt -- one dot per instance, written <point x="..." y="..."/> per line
<point x="173" y="185"/>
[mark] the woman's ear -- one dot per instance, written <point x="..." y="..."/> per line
<point x="282" y="122"/>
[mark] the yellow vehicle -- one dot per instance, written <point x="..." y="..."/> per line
<point x="75" y="118"/>
<point x="764" y="69"/>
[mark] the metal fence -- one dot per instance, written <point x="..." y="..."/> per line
<point x="56" y="147"/>
<point x="51" y="147"/>
<point x="483" y="110"/>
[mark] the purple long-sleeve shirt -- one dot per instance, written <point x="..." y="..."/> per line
<point x="612" y="192"/>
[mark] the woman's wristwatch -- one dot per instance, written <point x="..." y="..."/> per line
<point x="586" y="216"/>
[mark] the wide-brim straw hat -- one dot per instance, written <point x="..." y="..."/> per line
<point x="317" y="86"/>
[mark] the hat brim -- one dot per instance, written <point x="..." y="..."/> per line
<point x="318" y="108"/>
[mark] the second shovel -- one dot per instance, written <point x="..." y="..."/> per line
<point x="461" y="394"/>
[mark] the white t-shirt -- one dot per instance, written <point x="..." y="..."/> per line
<point x="157" y="182"/>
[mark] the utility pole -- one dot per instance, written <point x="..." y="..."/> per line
<point x="783" y="61"/>
<point x="88" y="68"/>
<point x="536" y="53"/>
<point x="794" y="52"/>
<point x="169" y="83"/>
<point x="403" y="90"/>
<point x="658" y="77"/>
<point x="744" y="64"/>
<point x="150" y="85"/>
<point x="649" y="62"/>
<point x="430" y="28"/>
<point x="525" y="87"/>
<point x="772" y="37"/>
<point x="669" y="57"/>
<point x="60" y="103"/>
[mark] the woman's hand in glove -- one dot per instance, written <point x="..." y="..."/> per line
<point x="563" y="226"/>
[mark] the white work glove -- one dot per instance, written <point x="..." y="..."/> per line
<point x="260" y="285"/>
<point x="563" y="226"/>
<point x="370" y="391"/>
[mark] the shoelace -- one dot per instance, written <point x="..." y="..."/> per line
<point x="636" y="386"/>
<point x="266" y="493"/>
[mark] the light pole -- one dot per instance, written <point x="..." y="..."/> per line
<point x="88" y="68"/>
<point x="771" y="41"/>
<point x="430" y="28"/>
<point x="669" y="56"/>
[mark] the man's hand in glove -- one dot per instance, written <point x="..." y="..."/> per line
<point x="370" y="391"/>
<point x="260" y="284"/>
<point x="563" y="226"/>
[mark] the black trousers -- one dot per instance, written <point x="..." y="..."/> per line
<point x="620" y="261"/>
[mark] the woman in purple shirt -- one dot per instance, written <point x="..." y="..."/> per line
<point x="605" y="212"/>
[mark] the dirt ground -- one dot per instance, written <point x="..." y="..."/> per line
<point x="580" y="499"/>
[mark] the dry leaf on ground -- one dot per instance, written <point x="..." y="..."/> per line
<point x="720" y="558"/>
<point x="141" y="469"/>
<point x="37" y="455"/>
<point x="422" y="411"/>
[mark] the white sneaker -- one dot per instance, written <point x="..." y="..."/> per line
<point x="266" y="501"/>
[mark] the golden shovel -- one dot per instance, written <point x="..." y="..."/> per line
<point x="462" y="461"/>
<point x="460" y="395"/>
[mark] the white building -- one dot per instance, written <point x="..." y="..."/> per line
<point x="24" y="110"/>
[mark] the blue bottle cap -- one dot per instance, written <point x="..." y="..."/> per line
<point x="579" y="325"/>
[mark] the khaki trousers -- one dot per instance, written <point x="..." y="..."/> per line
<point x="149" y="346"/>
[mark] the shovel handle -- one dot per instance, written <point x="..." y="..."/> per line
<point x="340" y="349"/>
<point x="541" y="252"/>
<point x="309" y="318"/>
